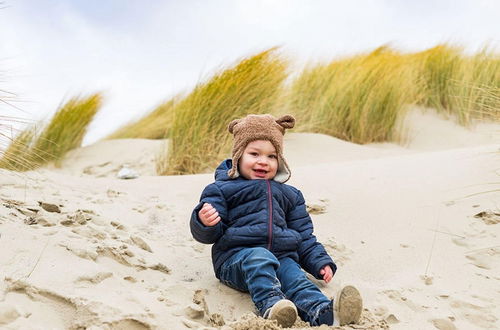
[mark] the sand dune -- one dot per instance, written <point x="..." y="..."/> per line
<point x="413" y="227"/>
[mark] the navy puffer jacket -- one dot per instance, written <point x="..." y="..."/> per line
<point x="258" y="213"/>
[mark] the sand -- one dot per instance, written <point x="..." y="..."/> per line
<point x="415" y="227"/>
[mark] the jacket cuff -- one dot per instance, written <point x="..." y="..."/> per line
<point x="202" y="233"/>
<point x="331" y="264"/>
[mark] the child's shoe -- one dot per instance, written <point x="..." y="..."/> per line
<point x="284" y="312"/>
<point x="349" y="305"/>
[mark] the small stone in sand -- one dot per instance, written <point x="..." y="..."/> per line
<point x="49" y="207"/>
<point x="130" y="279"/>
<point x="489" y="217"/>
<point x="428" y="280"/>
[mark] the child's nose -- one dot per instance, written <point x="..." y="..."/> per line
<point x="262" y="160"/>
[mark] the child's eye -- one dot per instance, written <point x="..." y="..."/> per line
<point x="253" y="154"/>
<point x="273" y="156"/>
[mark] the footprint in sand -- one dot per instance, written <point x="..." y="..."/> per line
<point x="443" y="324"/>
<point x="481" y="316"/>
<point x="73" y="313"/>
<point x="198" y="315"/>
<point x="317" y="208"/>
<point x="485" y="258"/>
<point x="80" y="249"/>
<point x="8" y="313"/>
<point x="53" y="305"/>
<point x="402" y="300"/>
<point x="95" y="278"/>
<point x="340" y="251"/>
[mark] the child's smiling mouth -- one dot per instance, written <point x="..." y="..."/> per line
<point x="260" y="172"/>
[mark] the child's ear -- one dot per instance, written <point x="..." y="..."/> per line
<point x="232" y="124"/>
<point x="286" y="121"/>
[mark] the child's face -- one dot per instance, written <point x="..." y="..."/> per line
<point x="259" y="161"/>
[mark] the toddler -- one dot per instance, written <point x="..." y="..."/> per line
<point x="261" y="233"/>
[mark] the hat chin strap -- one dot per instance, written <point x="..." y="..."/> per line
<point x="282" y="174"/>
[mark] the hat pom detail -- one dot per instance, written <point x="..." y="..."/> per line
<point x="231" y="125"/>
<point x="286" y="121"/>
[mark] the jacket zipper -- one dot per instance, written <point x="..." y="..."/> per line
<point x="270" y="227"/>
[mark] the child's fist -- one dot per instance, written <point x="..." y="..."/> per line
<point x="327" y="273"/>
<point x="208" y="215"/>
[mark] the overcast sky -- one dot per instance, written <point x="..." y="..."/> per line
<point x="142" y="52"/>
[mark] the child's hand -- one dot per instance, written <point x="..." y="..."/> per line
<point x="209" y="215"/>
<point x="327" y="273"/>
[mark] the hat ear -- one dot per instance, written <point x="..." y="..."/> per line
<point x="286" y="121"/>
<point x="232" y="124"/>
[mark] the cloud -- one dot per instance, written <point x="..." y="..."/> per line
<point x="141" y="53"/>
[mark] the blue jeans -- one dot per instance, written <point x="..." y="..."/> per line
<point x="267" y="279"/>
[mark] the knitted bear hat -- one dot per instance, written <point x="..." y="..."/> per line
<point x="260" y="127"/>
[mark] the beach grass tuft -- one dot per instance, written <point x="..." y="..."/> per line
<point x="16" y="154"/>
<point x="65" y="131"/>
<point x="460" y="85"/>
<point x="476" y="91"/>
<point x="357" y="99"/>
<point x="199" y="139"/>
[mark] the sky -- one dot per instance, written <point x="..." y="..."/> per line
<point x="141" y="53"/>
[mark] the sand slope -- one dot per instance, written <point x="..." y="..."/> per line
<point x="413" y="228"/>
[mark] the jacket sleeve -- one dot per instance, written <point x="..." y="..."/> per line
<point x="312" y="254"/>
<point x="204" y="234"/>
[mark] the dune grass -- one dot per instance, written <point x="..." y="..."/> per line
<point x="154" y="125"/>
<point x="440" y="68"/>
<point x="359" y="99"/>
<point x="465" y="86"/>
<point x="17" y="156"/>
<point x="12" y="150"/>
<point x="476" y="92"/>
<point x="65" y="131"/>
<point x="356" y="99"/>
<point x="199" y="139"/>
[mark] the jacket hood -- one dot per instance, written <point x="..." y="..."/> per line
<point x="221" y="171"/>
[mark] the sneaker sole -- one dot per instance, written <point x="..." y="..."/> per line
<point x="285" y="313"/>
<point x="350" y="305"/>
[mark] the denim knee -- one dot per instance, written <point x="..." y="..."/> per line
<point x="261" y="257"/>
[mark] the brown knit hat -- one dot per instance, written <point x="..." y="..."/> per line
<point x="260" y="127"/>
